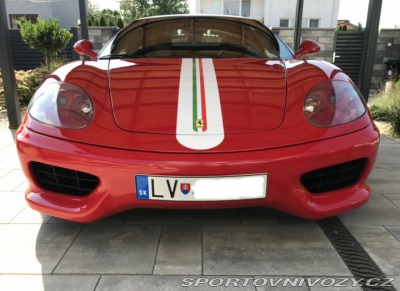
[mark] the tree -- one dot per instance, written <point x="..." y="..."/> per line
<point x="359" y="27"/>
<point x="165" y="7"/>
<point x="95" y="15"/>
<point x="120" y="23"/>
<point x="102" y="21"/>
<point x="46" y="36"/>
<point x="134" y="9"/>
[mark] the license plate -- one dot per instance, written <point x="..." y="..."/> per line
<point x="201" y="188"/>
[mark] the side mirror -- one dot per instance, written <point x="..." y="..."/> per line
<point x="85" y="47"/>
<point x="307" y="47"/>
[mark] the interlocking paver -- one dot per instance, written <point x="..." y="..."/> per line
<point x="160" y="216"/>
<point x="48" y="282"/>
<point x="168" y="283"/>
<point x="257" y="216"/>
<point x="394" y="198"/>
<point x="273" y="250"/>
<point x="332" y="284"/>
<point x="30" y="216"/>
<point x="396" y="282"/>
<point x="395" y="231"/>
<point x="112" y="249"/>
<point x="378" y="211"/>
<point x="11" y="204"/>
<point x="381" y="246"/>
<point x="35" y="248"/>
<point x="179" y="251"/>
<point x="12" y="180"/>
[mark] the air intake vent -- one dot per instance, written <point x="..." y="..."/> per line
<point x="334" y="177"/>
<point x="63" y="180"/>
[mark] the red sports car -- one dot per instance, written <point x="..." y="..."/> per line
<point x="196" y="112"/>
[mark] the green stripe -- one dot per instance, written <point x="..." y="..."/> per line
<point x="194" y="96"/>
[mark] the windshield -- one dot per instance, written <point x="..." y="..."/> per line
<point x="195" y="37"/>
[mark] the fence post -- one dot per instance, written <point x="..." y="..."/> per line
<point x="371" y="36"/>
<point x="297" y="29"/>
<point x="7" y="70"/>
<point x="74" y="55"/>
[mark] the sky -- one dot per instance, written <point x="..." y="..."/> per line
<point x="353" y="10"/>
<point x="356" y="11"/>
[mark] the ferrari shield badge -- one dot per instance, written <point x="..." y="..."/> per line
<point x="199" y="123"/>
<point x="185" y="188"/>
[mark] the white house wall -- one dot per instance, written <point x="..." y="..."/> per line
<point x="257" y="9"/>
<point x="208" y="7"/>
<point x="326" y="11"/>
<point x="65" y="10"/>
<point x="43" y="10"/>
<point x="273" y="10"/>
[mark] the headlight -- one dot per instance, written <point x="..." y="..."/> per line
<point x="333" y="103"/>
<point x="62" y="105"/>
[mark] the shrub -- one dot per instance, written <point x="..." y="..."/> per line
<point x="120" y="23"/>
<point x="386" y="107"/>
<point x="2" y="99"/>
<point x="28" y="81"/>
<point x="102" y="21"/>
<point x="46" y="36"/>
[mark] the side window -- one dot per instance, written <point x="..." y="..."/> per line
<point x="314" y="23"/>
<point x="284" y="51"/>
<point x="284" y="22"/>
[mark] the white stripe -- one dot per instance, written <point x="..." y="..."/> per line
<point x="198" y="86"/>
<point x="185" y="134"/>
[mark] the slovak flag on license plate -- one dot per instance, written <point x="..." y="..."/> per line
<point x="185" y="188"/>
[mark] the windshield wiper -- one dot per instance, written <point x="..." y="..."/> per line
<point x="117" y="56"/>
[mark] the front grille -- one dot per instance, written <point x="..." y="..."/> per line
<point x="334" y="177"/>
<point x="63" y="180"/>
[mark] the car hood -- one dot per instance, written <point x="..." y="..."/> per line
<point x="193" y="96"/>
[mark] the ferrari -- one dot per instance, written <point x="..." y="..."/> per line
<point x="196" y="112"/>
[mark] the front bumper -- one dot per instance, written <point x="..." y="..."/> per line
<point x="116" y="170"/>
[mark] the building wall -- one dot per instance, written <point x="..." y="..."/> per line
<point x="67" y="11"/>
<point x="272" y="11"/>
<point x="327" y="11"/>
<point x="387" y="47"/>
<point x="216" y="7"/>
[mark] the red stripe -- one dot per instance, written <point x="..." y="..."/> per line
<point x="203" y="96"/>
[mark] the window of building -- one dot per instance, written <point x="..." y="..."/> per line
<point x="15" y="17"/>
<point x="231" y="7"/>
<point x="284" y="22"/>
<point x="246" y="8"/>
<point x="314" y="23"/>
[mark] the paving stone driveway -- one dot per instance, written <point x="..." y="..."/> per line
<point x="164" y="249"/>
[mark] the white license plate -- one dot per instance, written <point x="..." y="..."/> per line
<point x="201" y="188"/>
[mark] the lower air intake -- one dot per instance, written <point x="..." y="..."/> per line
<point x="334" y="177"/>
<point x="63" y="180"/>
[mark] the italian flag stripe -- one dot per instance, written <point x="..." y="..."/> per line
<point x="199" y="121"/>
<point x="199" y="96"/>
<point x="203" y="97"/>
<point x="195" y="115"/>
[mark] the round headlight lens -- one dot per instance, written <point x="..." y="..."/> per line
<point x="62" y="105"/>
<point x="333" y="103"/>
